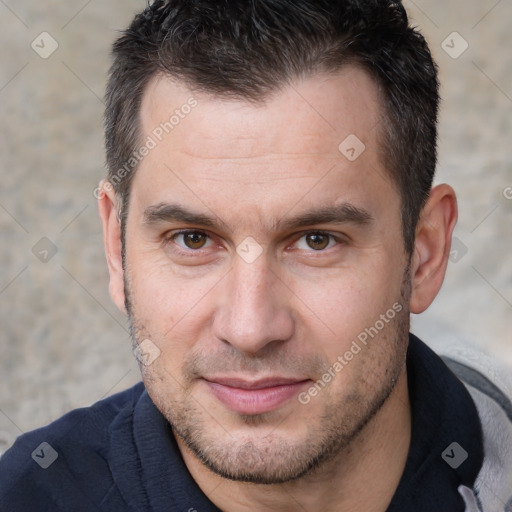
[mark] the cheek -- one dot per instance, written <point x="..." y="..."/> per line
<point x="346" y="301"/>
<point x="171" y="310"/>
<point x="163" y="295"/>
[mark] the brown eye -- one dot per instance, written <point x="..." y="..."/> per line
<point x="317" y="241"/>
<point x="192" y="239"/>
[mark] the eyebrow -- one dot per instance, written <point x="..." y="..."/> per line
<point x="345" y="213"/>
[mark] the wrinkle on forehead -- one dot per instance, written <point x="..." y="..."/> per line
<point x="253" y="163"/>
<point x="310" y="117"/>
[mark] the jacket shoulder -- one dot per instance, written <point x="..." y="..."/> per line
<point x="489" y="383"/>
<point x="64" y="464"/>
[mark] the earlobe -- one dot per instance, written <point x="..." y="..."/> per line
<point x="108" y="209"/>
<point x="432" y="246"/>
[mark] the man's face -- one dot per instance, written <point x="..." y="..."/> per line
<point x="293" y="262"/>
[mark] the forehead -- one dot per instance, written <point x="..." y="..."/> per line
<point x="321" y="110"/>
<point x="269" y="153"/>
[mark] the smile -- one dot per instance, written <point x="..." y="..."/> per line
<point x="257" y="397"/>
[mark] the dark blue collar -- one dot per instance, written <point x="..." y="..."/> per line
<point x="148" y="469"/>
<point x="150" y="473"/>
<point x="445" y="428"/>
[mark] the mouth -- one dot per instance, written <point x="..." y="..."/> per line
<point x="255" y="397"/>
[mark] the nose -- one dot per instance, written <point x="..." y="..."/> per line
<point x="254" y="311"/>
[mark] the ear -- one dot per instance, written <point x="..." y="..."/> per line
<point x="432" y="246"/>
<point x="108" y="208"/>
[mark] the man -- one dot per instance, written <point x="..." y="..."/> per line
<point x="270" y="224"/>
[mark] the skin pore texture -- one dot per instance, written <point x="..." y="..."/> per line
<point x="244" y="326"/>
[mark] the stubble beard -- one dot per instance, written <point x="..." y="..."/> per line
<point x="273" y="459"/>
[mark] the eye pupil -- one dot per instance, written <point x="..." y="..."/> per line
<point x="194" y="240"/>
<point x="317" y="241"/>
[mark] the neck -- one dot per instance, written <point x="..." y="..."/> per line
<point x="363" y="477"/>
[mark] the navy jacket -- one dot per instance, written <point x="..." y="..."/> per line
<point x="120" y="454"/>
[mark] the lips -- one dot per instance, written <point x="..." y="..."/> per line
<point x="254" y="397"/>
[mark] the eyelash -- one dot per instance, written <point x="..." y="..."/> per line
<point x="192" y="252"/>
<point x="171" y="237"/>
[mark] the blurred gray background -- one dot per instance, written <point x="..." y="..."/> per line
<point x="63" y="344"/>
